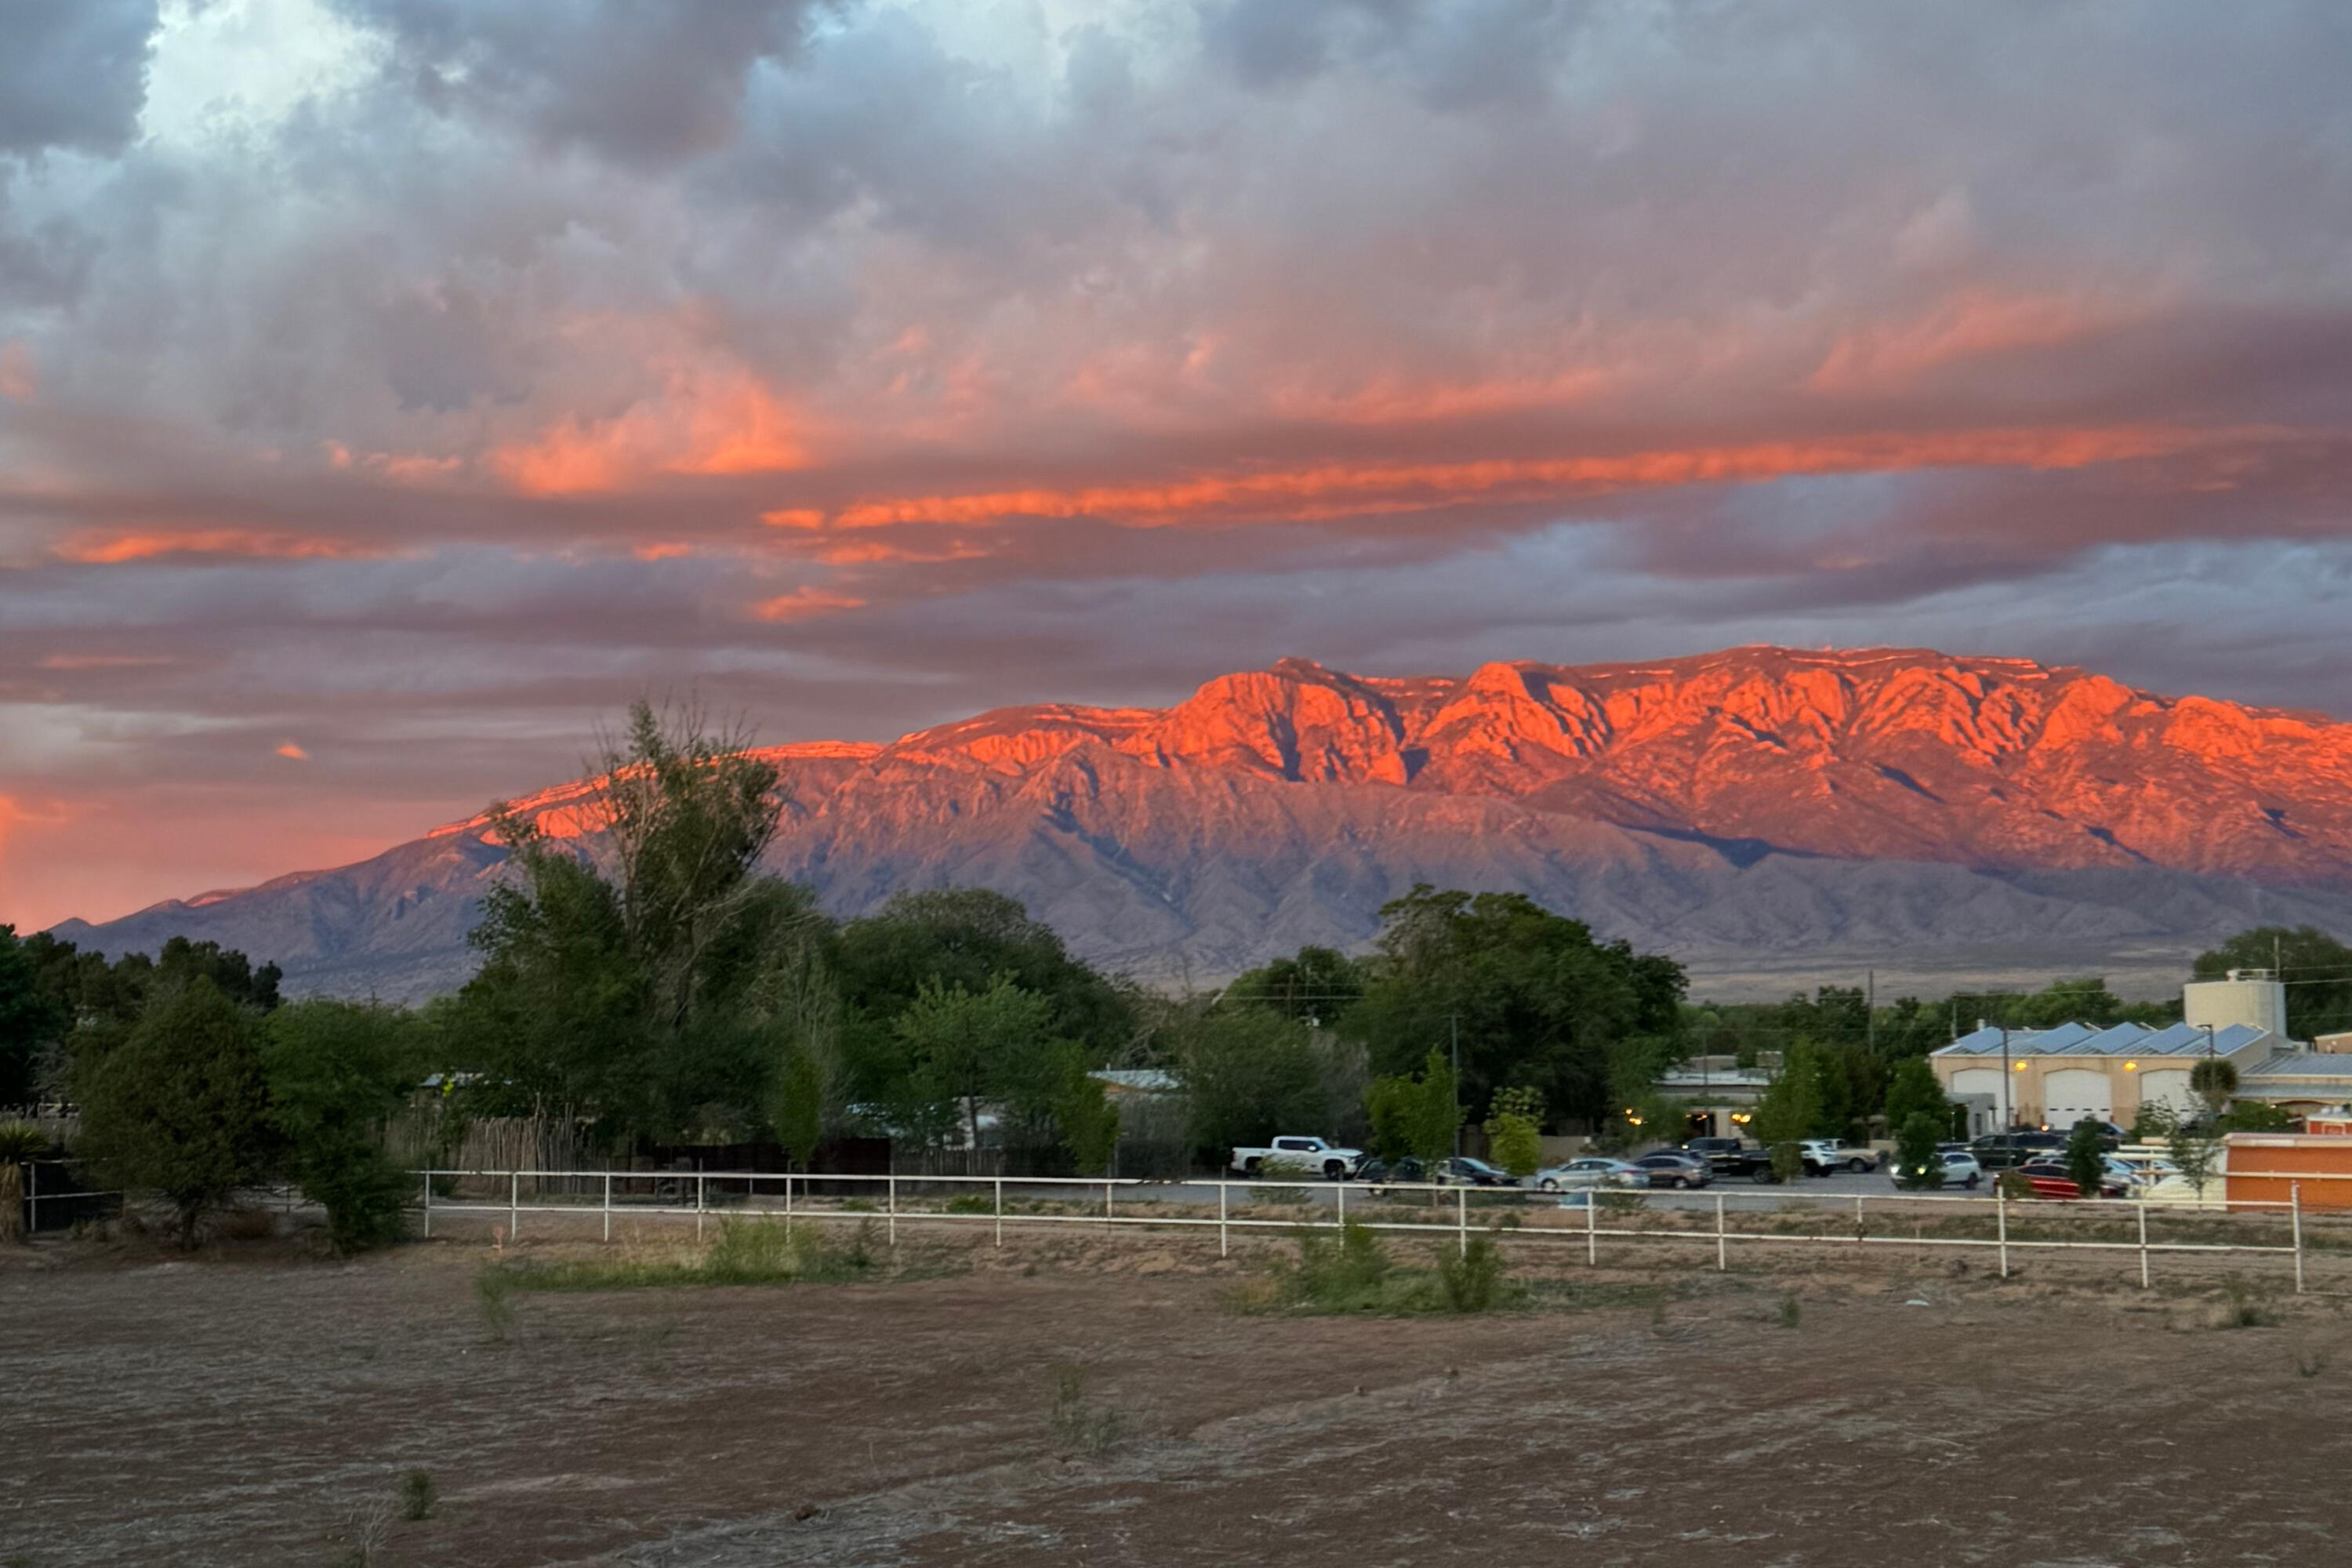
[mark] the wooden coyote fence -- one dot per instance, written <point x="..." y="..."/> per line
<point x="1580" y="1220"/>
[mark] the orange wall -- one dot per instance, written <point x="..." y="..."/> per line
<point x="2321" y="1165"/>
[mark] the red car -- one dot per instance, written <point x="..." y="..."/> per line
<point x="2051" y="1181"/>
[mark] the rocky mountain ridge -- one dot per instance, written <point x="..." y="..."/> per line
<point x="1757" y="803"/>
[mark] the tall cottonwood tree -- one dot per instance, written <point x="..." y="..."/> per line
<point x="620" y="974"/>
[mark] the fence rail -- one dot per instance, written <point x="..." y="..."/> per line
<point x="1182" y="1205"/>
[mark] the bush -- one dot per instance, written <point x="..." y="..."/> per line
<point x="2085" y="1159"/>
<point x="418" y="1494"/>
<point x="1471" y="1277"/>
<point x="180" y="1107"/>
<point x="1351" y="1267"/>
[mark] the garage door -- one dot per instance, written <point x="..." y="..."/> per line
<point x="2068" y="1096"/>
<point x="2167" y="1088"/>
<point x="1985" y="1081"/>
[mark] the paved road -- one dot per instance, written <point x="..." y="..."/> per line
<point x="1739" y="1194"/>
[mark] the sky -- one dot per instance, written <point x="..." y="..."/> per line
<point x="391" y="390"/>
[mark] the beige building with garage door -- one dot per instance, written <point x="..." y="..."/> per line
<point x="2055" y="1078"/>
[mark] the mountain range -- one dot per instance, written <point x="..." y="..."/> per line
<point x="1762" y="812"/>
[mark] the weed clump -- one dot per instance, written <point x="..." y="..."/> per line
<point x="1075" y="1423"/>
<point x="415" y="1494"/>
<point x="1791" y="1314"/>
<point x="1353" y="1272"/>
<point x="747" y="1252"/>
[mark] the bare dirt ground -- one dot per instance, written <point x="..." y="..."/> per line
<point x="251" y="1407"/>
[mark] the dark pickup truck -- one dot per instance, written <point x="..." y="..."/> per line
<point x="1731" y="1159"/>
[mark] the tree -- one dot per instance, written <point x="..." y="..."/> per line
<point x="2317" y="967"/>
<point x="796" y="1110"/>
<point x="1911" y="1090"/>
<point x="2085" y="1158"/>
<point x="337" y="1073"/>
<point x="1317" y="987"/>
<point x="30" y="1019"/>
<point x="2214" y="1081"/>
<point x="967" y="937"/>
<point x="1250" y="1075"/>
<point x="180" y="1107"/>
<point x="1790" y="1108"/>
<point x="1417" y="1114"/>
<point x="1918" y="1163"/>
<point x="618" y="973"/>
<point x="1530" y="995"/>
<point x="1515" y="1130"/>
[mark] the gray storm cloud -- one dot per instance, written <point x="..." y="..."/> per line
<point x="422" y="378"/>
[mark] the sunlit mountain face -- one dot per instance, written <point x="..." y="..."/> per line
<point x="1751" y="807"/>
<point x="390" y="390"/>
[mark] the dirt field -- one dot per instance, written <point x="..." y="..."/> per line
<point x="247" y="1407"/>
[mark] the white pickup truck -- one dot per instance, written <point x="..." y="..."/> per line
<point x="1311" y="1155"/>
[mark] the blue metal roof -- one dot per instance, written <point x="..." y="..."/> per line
<point x="2122" y="1040"/>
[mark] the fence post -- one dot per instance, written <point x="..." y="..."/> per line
<point x="1722" y="1242"/>
<point x="1591" y="1225"/>
<point x="698" y="1206"/>
<point x="1106" y="1200"/>
<point x="1857" y="1219"/>
<point x="894" y="1211"/>
<point x="788" y="1206"/>
<point x="514" y="1204"/>
<point x="2295" y="1216"/>
<point x="2000" y="1215"/>
<point x="1223" y="1247"/>
<point x="1000" y="1211"/>
<point x="1343" y="1205"/>
<point x="608" y="1206"/>
<point x="2143" y="1242"/>
<point x="1462" y="1218"/>
<point x="428" y="1204"/>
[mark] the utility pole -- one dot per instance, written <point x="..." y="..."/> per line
<point x="1870" y="1012"/>
<point x="2008" y="1117"/>
<point x="1454" y="1025"/>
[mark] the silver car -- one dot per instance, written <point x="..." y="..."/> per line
<point x="1590" y="1171"/>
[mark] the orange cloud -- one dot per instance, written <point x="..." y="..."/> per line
<point x="289" y="750"/>
<point x="668" y="550"/>
<point x="805" y="603"/>
<point x="1885" y="355"/>
<point x="730" y="425"/>
<point x="112" y="549"/>
<point x="1341" y="489"/>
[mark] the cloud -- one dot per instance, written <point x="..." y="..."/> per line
<point x="428" y="377"/>
<point x="635" y="82"/>
<point x="73" y="76"/>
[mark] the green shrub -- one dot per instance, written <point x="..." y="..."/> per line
<point x="416" y="1494"/>
<point x="1470" y="1278"/>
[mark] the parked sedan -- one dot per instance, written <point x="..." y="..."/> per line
<point x="1405" y="1168"/>
<point x="2051" y="1179"/>
<point x="1958" y="1169"/>
<point x="1463" y="1170"/>
<point x="1592" y="1170"/>
<point x="1999" y="1151"/>
<point x="1667" y="1168"/>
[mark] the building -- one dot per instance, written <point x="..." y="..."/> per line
<point x="2055" y="1078"/>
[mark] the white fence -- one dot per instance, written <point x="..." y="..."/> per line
<point x="1573" y="1219"/>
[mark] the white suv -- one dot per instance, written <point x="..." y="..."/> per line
<point x="1823" y="1155"/>
<point x="1961" y="1169"/>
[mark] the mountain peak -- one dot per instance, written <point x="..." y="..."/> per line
<point x="1754" y="798"/>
